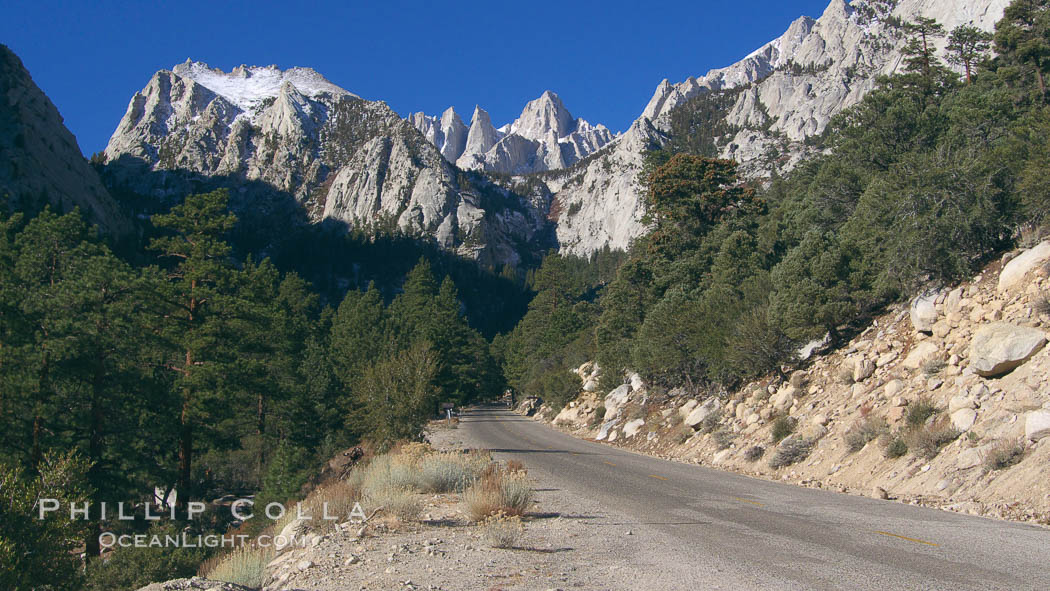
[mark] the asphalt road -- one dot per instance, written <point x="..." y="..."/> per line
<point x="764" y="534"/>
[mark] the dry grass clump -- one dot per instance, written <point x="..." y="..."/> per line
<point x="502" y="531"/>
<point x="782" y="427"/>
<point x="933" y="366"/>
<point x="753" y="453"/>
<point x="894" y="446"/>
<point x="711" y="422"/>
<point x="790" y="451"/>
<point x="245" y="566"/>
<point x="865" y="430"/>
<point x="681" y="433"/>
<point x="403" y="504"/>
<point x="451" y="472"/>
<point x="1003" y="455"/>
<point x="498" y="490"/>
<point x="327" y="505"/>
<point x="599" y="416"/>
<point x="926" y="441"/>
<point x="723" y="438"/>
<point x="1041" y="305"/>
<point x="920" y="411"/>
<point x="416" y="467"/>
<point x="394" y="480"/>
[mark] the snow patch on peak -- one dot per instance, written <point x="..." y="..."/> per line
<point x="248" y="86"/>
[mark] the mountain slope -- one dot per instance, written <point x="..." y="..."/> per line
<point x="572" y="185"/>
<point x="39" y="157"/>
<point x="786" y="91"/>
<point x="291" y="134"/>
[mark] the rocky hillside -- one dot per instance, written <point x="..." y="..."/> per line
<point x="40" y="161"/>
<point x="941" y="403"/>
<point x="782" y="93"/>
<point x="293" y="135"/>
<point x="545" y="137"/>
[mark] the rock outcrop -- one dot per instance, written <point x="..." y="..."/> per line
<point x="291" y="134"/>
<point x="786" y="91"/>
<point x="1001" y="347"/>
<point x="297" y="132"/>
<point x="39" y="157"/>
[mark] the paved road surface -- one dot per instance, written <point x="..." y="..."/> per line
<point x="753" y="533"/>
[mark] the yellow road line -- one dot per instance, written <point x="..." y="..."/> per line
<point x="756" y="503"/>
<point x="610" y="463"/>
<point x="886" y="533"/>
<point x="657" y="477"/>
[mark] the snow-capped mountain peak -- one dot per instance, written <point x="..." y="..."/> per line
<point x="248" y="86"/>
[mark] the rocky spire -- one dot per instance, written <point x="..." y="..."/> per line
<point x="542" y="116"/>
<point x="455" y="135"/>
<point x="480" y="139"/>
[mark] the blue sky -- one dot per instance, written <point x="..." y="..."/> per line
<point x="603" y="58"/>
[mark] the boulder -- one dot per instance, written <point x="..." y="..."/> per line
<point x="687" y="408"/>
<point x="529" y="406"/>
<point x="942" y="329"/>
<point x="709" y="407"/>
<point x="784" y="397"/>
<point x="615" y="399"/>
<point x="606" y="427"/>
<point x="953" y="303"/>
<point x="631" y="429"/>
<point x="863" y="369"/>
<point x="591" y="385"/>
<point x="893" y="388"/>
<point x="886" y="358"/>
<point x="1014" y="271"/>
<point x="964" y="418"/>
<point x="1000" y="347"/>
<point x="290" y="534"/>
<point x="637" y="384"/>
<point x="924" y="312"/>
<point x="858" y="390"/>
<point x="972" y="457"/>
<point x="920" y="353"/>
<point x="798" y="378"/>
<point x="570" y="415"/>
<point x="960" y="402"/>
<point x="1037" y="425"/>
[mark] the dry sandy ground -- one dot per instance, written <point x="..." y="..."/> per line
<point x="569" y="543"/>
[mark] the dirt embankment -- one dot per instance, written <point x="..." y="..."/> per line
<point x="944" y="403"/>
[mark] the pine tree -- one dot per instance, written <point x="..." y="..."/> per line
<point x="1022" y="38"/>
<point x="967" y="46"/>
<point x="920" y="54"/>
<point x="195" y="303"/>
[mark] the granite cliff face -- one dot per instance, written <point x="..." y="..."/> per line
<point x="39" y="157"/>
<point x="297" y="135"/>
<point x="545" y="137"/>
<point x="562" y="181"/>
<point x="786" y="91"/>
